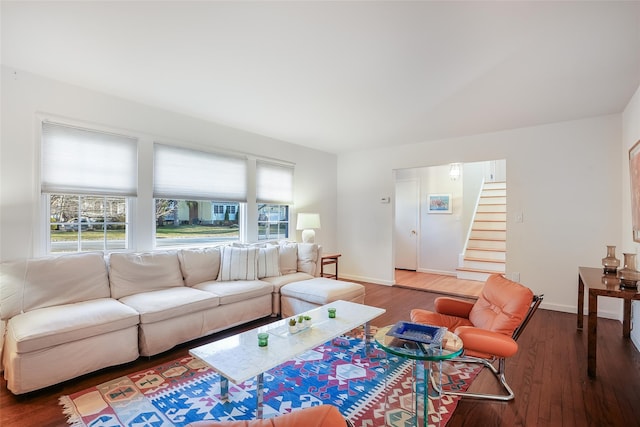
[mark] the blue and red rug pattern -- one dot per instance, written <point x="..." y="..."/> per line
<point x="337" y="372"/>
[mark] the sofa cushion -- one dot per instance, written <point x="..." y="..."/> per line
<point x="45" y="282"/>
<point x="51" y="326"/>
<point x="238" y="264"/>
<point x="199" y="265"/>
<point x="163" y="304"/>
<point x="322" y="291"/>
<point x="285" y="279"/>
<point x="288" y="258"/>
<point x="268" y="262"/>
<point x="236" y="290"/>
<point x="307" y="258"/>
<point x="131" y="273"/>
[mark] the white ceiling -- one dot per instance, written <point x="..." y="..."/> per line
<point x="341" y="76"/>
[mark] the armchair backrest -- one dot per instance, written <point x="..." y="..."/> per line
<point x="502" y="306"/>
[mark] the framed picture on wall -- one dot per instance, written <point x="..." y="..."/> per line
<point x="439" y="203"/>
<point x="634" y="172"/>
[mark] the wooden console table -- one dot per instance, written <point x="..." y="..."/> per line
<point x="327" y="260"/>
<point x="601" y="285"/>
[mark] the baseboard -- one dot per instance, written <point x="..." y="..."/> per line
<point x="367" y="279"/>
<point x="614" y="315"/>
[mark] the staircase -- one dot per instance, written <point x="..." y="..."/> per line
<point x="486" y="248"/>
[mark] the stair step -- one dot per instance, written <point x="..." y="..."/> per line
<point x="495" y="184"/>
<point x="476" y="270"/>
<point x="488" y="234"/>
<point x="491" y="216"/>
<point x="486" y="249"/>
<point x="485" y="254"/>
<point x="489" y="225"/>
<point x="473" y="259"/>
<point x="492" y="208"/>
<point x="487" y="244"/>
<point x="493" y="200"/>
<point x="493" y="192"/>
<point x="474" y="274"/>
<point x="492" y="266"/>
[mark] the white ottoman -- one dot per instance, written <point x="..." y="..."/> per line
<point x="305" y="295"/>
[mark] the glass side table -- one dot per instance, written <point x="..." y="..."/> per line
<point x="414" y="409"/>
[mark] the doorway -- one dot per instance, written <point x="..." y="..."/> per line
<point x="434" y="241"/>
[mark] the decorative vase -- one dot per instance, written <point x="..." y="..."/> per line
<point x="628" y="274"/>
<point x="610" y="262"/>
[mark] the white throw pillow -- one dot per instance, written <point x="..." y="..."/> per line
<point x="199" y="265"/>
<point x="268" y="262"/>
<point x="238" y="264"/>
<point x="307" y="257"/>
<point x="288" y="258"/>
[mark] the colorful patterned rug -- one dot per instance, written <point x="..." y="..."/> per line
<point x="338" y="373"/>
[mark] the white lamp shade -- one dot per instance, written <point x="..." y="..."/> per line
<point x="307" y="222"/>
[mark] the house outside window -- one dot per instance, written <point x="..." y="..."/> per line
<point x="273" y="222"/>
<point x="195" y="222"/>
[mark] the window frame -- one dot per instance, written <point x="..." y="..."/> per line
<point x="45" y="200"/>
<point x="277" y="223"/>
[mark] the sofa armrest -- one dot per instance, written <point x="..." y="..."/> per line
<point x="453" y="307"/>
<point x="487" y="342"/>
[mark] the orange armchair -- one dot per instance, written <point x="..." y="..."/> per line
<point x="489" y="327"/>
<point x="315" y="416"/>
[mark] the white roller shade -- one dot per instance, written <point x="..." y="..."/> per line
<point x="274" y="183"/>
<point x="82" y="161"/>
<point x="182" y="173"/>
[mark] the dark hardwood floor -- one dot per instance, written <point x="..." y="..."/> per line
<point x="548" y="374"/>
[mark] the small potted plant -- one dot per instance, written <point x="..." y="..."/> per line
<point x="307" y="321"/>
<point x="292" y="326"/>
<point x="301" y="324"/>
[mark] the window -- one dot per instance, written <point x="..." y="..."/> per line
<point x="273" y="222"/>
<point x="198" y="196"/>
<point x="195" y="222"/>
<point x="87" y="223"/>
<point x="88" y="179"/>
<point x="274" y="194"/>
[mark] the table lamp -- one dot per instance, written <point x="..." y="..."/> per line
<point x="307" y="222"/>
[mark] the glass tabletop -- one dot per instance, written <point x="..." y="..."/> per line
<point x="451" y="347"/>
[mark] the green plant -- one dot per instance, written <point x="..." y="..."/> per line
<point x="307" y="318"/>
<point x="292" y="322"/>
<point x="300" y="319"/>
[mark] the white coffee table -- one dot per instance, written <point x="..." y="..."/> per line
<point x="238" y="358"/>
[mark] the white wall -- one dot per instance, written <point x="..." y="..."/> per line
<point x="25" y="96"/>
<point x="630" y="135"/>
<point x="564" y="178"/>
<point x="441" y="234"/>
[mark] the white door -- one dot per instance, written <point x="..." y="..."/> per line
<point x="406" y="224"/>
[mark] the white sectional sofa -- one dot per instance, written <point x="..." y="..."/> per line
<point x="73" y="314"/>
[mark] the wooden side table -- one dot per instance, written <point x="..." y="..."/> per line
<point x="597" y="284"/>
<point x="327" y="260"/>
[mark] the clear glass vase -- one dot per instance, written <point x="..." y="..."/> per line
<point x="610" y="262"/>
<point x="628" y="274"/>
